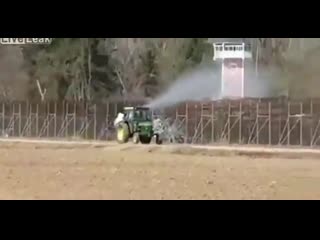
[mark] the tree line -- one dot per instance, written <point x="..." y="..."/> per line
<point x="94" y="69"/>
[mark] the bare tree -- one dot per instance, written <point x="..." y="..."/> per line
<point x="13" y="78"/>
<point x="171" y="58"/>
<point x="42" y="92"/>
<point x="128" y="55"/>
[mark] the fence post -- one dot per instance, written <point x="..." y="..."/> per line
<point x="95" y="122"/>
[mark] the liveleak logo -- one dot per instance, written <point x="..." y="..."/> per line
<point x="20" y="41"/>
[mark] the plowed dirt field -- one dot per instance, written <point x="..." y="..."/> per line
<point x="59" y="171"/>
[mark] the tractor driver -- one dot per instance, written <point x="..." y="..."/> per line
<point x="138" y="114"/>
<point x="130" y="115"/>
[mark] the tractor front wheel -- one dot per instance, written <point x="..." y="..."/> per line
<point x="156" y="140"/>
<point x="136" y="138"/>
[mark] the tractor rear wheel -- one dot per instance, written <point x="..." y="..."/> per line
<point x="122" y="133"/>
<point x="145" y="139"/>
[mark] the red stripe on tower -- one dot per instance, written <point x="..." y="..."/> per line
<point x="233" y="78"/>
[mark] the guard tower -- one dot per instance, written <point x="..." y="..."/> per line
<point x="232" y="56"/>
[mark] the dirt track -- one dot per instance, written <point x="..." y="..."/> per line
<point x="59" y="171"/>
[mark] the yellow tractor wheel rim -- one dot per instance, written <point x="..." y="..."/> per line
<point x="121" y="134"/>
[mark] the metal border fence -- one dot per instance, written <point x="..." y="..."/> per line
<point x="277" y="121"/>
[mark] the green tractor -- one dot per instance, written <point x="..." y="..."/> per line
<point x="136" y="123"/>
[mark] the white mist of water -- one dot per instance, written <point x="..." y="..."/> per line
<point x="204" y="83"/>
<point x="201" y="83"/>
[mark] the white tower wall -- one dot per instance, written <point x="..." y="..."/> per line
<point x="232" y="57"/>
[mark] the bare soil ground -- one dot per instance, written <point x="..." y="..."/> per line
<point x="59" y="171"/>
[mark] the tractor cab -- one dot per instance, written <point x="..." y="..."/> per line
<point x="138" y="114"/>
